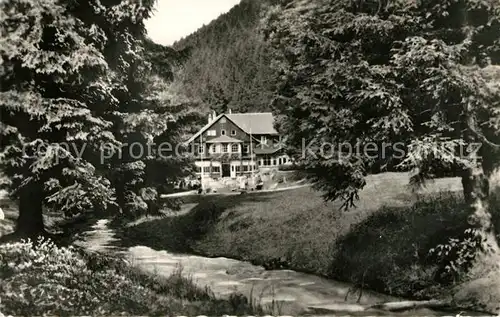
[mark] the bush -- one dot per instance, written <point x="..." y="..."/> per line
<point x="43" y="279"/>
<point x="408" y="251"/>
<point x="292" y="167"/>
<point x="40" y="278"/>
<point x="201" y="219"/>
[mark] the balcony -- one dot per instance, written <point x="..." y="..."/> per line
<point x="223" y="156"/>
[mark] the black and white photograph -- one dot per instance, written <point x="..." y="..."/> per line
<point x="249" y="158"/>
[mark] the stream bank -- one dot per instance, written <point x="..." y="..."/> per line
<point x="285" y="292"/>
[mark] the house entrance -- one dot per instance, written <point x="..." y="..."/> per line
<point x="226" y="170"/>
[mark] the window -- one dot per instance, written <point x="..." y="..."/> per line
<point x="206" y="169"/>
<point x="201" y="149"/>
<point x="215" y="148"/>
<point x="232" y="168"/>
<point x="211" y="133"/>
<point x="215" y="169"/>
<point x="263" y="139"/>
<point x="247" y="148"/>
<point x="222" y="132"/>
<point x="267" y="161"/>
<point x="233" y="132"/>
<point x="274" y="162"/>
<point x="225" y="148"/>
<point x="279" y="161"/>
<point x="235" y="148"/>
<point x="223" y="120"/>
<point x="284" y="160"/>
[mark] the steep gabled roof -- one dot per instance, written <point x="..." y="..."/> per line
<point x="254" y="122"/>
<point x="206" y="126"/>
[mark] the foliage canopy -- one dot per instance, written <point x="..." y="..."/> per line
<point x="423" y="74"/>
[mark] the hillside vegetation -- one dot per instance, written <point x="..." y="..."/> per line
<point x="383" y="244"/>
<point x="39" y="278"/>
<point x="229" y="63"/>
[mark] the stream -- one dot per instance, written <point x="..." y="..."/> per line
<point x="285" y="292"/>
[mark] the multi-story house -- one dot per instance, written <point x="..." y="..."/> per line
<point x="236" y="144"/>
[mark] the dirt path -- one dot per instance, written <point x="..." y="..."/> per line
<point x="194" y="192"/>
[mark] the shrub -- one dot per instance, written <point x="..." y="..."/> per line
<point x="201" y="219"/>
<point x="39" y="278"/>
<point x="455" y="258"/>
<point x="409" y="251"/>
<point x="292" y="167"/>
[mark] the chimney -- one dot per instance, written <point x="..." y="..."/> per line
<point x="214" y="115"/>
<point x="210" y="118"/>
<point x="229" y="110"/>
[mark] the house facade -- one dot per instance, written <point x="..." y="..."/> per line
<point x="237" y="144"/>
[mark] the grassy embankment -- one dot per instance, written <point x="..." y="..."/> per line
<point x="44" y="279"/>
<point x="384" y="242"/>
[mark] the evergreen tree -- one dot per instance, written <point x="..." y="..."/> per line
<point x="411" y="82"/>
<point x="151" y="125"/>
<point x="74" y="78"/>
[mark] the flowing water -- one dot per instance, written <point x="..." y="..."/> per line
<point x="286" y="292"/>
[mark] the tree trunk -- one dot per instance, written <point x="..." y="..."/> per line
<point x="476" y="192"/>
<point x="491" y="167"/>
<point x="30" y="221"/>
<point x="482" y="287"/>
<point x="120" y="195"/>
<point x="476" y="187"/>
<point x="476" y="183"/>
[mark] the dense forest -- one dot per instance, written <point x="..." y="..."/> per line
<point x="67" y="115"/>
<point x="229" y="64"/>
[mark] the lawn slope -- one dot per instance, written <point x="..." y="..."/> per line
<point x="383" y="243"/>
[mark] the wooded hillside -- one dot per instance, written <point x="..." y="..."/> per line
<point x="229" y="64"/>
